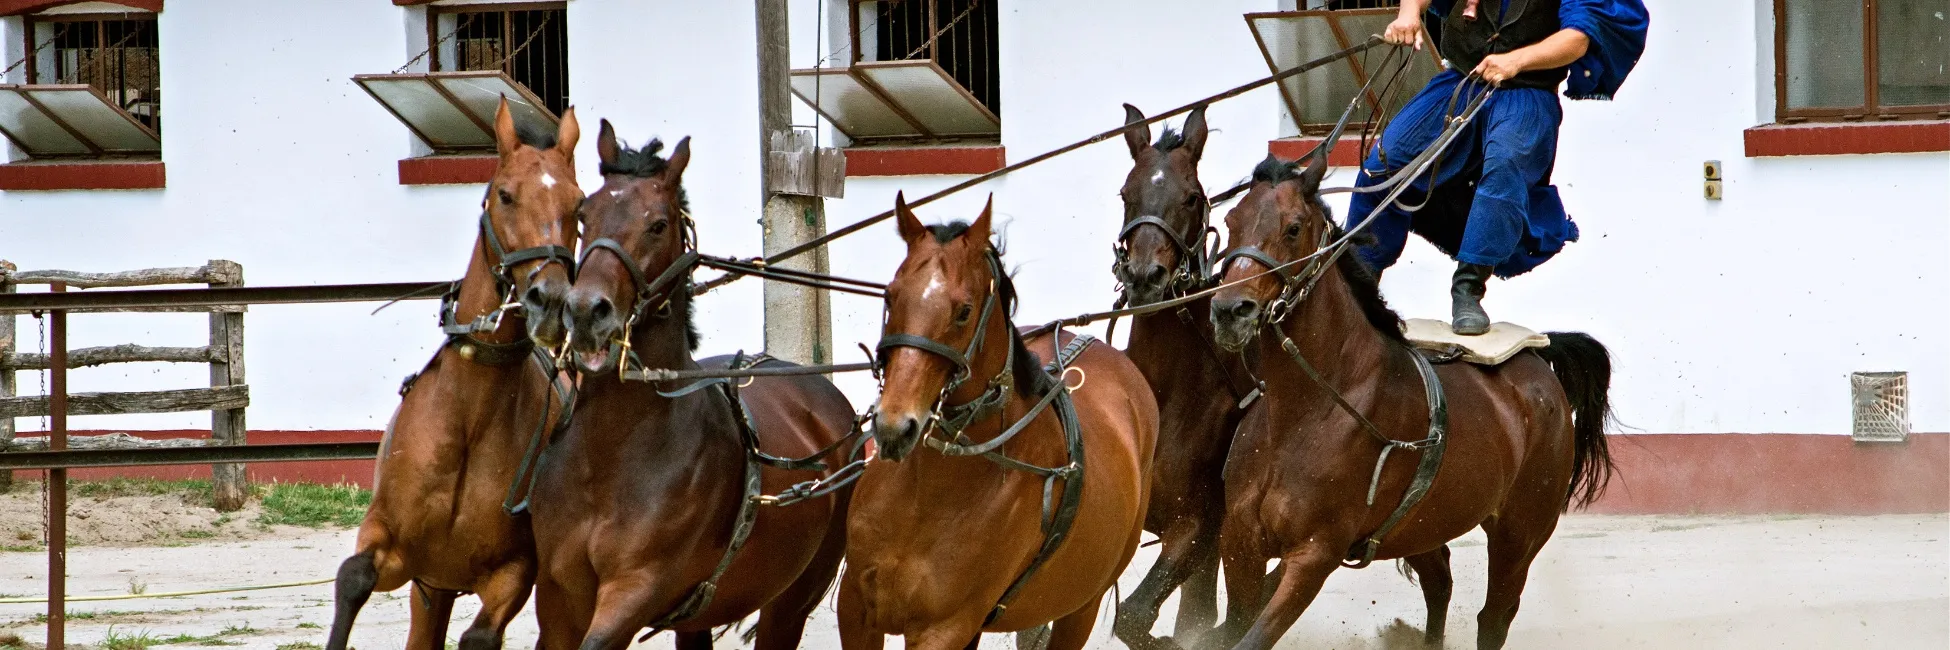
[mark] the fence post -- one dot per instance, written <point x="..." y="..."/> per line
<point x="7" y="348"/>
<point x="228" y="480"/>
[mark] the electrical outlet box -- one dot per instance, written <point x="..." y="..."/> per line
<point x="1713" y="190"/>
<point x="1712" y="170"/>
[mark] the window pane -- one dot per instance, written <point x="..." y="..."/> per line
<point x="1913" y="52"/>
<point x="1824" y="53"/>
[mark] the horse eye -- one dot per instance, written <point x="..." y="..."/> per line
<point x="1293" y="231"/>
<point x="506" y="197"/>
<point x="1191" y="201"/>
<point x="962" y="313"/>
<point x="658" y="227"/>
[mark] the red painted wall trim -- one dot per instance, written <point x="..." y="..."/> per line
<point x="19" y="7"/>
<point x="913" y="161"/>
<point x="1842" y="139"/>
<point x="447" y="170"/>
<point x="82" y="175"/>
<point x="1721" y="473"/>
<point x="1345" y="154"/>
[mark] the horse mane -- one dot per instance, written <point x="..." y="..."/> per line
<point x="1169" y="140"/>
<point x="1031" y="381"/>
<point x="644" y="163"/>
<point x="1361" y="280"/>
<point x="535" y="135"/>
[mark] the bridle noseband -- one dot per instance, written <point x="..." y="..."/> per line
<point x="658" y="292"/>
<point x="952" y="419"/>
<point x="502" y="270"/>
<point x="1189" y="274"/>
<point x="1294" y="285"/>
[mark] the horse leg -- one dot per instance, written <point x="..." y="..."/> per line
<point x="1198" y="597"/>
<point x="1035" y="638"/>
<point x="1301" y="575"/>
<point x="432" y="608"/>
<point x="699" y="640"/>
<point x="950" y="635"/>
<point x="1511" y="551"/>
<point x="369" y="570"/>
<point x="856" y="632"/>
<point x="1180" y="558"/>
<point x="502" y="595"/>
<point x="564" y="620"/>
<point x="1433" y="569"/>
<point x="782" y="622"/>
<point x="1245" y="573"/>
<point x="1073" y="630"/>
<point x="618" y="615"/>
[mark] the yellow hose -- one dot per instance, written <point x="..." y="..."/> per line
<point x="86" y="599"/>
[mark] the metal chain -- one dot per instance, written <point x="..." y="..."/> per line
<point x="47" y="429"/>
<point x="31" y="53"/>
<point x="944" y="28"/>
<point x="524" y="44"/>
<point x="423" y="53"/>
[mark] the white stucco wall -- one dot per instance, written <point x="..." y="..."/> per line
<point x="1742" y="315"/>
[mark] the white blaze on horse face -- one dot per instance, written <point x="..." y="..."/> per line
<point x="547" y="180"/>
<point x="1158" y="177"/>
<point x="934" y="286"/>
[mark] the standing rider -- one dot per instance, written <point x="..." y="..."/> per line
<point x="1511" y="220"/>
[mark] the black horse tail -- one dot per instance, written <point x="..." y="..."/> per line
<point x="1583" y="367"/>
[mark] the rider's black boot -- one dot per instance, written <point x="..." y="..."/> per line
<point x="1466" y="300"/>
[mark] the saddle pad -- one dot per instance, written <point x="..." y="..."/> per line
<point x="1503" y="340"/>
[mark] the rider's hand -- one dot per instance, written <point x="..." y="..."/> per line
<point x="1496" y="68"/>
<point x="1406" y="30"/>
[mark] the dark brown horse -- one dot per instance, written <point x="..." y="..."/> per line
<point x="1027" y="502"/>
<point x="1200" y="390"/>
<point x="466" y="420"/>
<point x="1525" y="440"/>
<point x="636" y="506"/>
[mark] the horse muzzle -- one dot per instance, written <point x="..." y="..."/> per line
<point x="592" y="322"/>
<point x="1235" y="321"/>
<point x="542" y="303"/>
<point x="895" y="436"/>
<point x="1144" y="283"/>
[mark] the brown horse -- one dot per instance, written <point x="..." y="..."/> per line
<point x="1202" y="392"/>
<point x="1525" y="440"/>
<point x="1031" y="501"/>
<point x="465" y="421"/>
<point x="640" y="506"/>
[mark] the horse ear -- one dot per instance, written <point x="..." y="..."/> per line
<point x="910" y="226"/>
<point x="566" y="135"/>
<point x="1138" y="136"/>
<point x="606" y="143"/>
<point x="679" y="158"/>
<point x="1316" y="170"/>
<point x="978" y="232"/>
<point x="1195" y="132"/>
<point x="505" y="139"/>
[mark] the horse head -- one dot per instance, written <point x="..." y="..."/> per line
<point x="1159" y="246"/>
<point x="1280" y="220"/>
<point x="637" y="227"/>
<point x="528" y="218"/>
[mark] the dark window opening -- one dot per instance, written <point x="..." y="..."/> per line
<point x="958" y="35"/>
<point x="1870" y="60"/>
<point x="118" y="57"/>
<point x="531" y="45"/>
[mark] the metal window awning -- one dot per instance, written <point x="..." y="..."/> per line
<point x="1289" y="38"/>
<point x="454" y="110"/>
<point x="71" y="120"/>
<point x="895" y="99"/>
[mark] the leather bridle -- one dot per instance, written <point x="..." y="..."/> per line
<point x="1189" y="274"/>
<point x="502" y="270"/>
<point x="952" y="419"/>
<point x="652" y="295"/>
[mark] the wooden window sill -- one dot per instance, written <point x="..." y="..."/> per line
<point x="916" y="161"/>
<point x="447" y="169"/>
<point x="1847" y="138"/>
<point x="1347" y="153"/>
<point x="82" y="175"/>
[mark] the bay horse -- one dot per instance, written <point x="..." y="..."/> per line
<point x="641" y="507"/>
<point x="467" y="420"/>
<point x="1201" y="392"/>
<point x="1028" y="499"/>
<point x="1310" y="481"/>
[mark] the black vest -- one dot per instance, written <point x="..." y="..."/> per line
<point x="1464" y="42"/>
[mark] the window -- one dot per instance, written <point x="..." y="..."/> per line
<point x="93" y="87"/>
<point x="1861" y="60"/>
<point x="1315" y="100"/>
<point x="475" y="56"/>
<point x="919" y="70"/>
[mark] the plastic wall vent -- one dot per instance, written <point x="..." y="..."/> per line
<point x="1881" y="406"/>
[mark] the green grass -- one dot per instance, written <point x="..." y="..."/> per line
<point x="298" y="645"/>
<point x="194" y="491"/>
<point x="197" y="533"/>
<point x="20" y="548"/>
<point x="304" y="504"/>
<point x="138" y="641"/>
<point x="309" y="626"/>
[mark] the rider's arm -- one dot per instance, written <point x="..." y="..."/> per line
<point x="1557" y="51"/>
<point x="1407" y="28"/>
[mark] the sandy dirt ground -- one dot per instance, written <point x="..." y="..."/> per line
<point x="1603" y="582"/>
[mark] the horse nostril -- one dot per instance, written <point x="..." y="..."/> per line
<point x="1245" y="308"/>
<point x="535" y="297"/>
<point x="909" y="427"/>
<point x="1155" y="275"/>
<point x="602" y="309"/>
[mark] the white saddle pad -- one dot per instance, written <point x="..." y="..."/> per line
<point x="1504" y="340"/>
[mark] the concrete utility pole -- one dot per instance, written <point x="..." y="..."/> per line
<point x="798" y="323"/>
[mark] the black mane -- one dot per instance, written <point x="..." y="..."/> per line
<point x="535" y="135"/>
<point x="1169" y="140"/>
<point x="644" y="163"/>
<point x="1361" y="281"/>
<point x="1031" y="381"/>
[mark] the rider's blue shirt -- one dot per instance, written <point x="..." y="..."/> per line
<point x="1616" y="29"/>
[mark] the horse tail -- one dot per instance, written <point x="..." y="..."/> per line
<point x="1583" y="368"/>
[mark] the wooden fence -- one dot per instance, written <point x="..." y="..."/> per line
<point x="225" y="399"/>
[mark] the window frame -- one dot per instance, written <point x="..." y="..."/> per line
<point x="1372" y="96"/>
<point x="434" y="12"/>
<point x="30" y="64"/>
<point x="1869" y="111"/>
